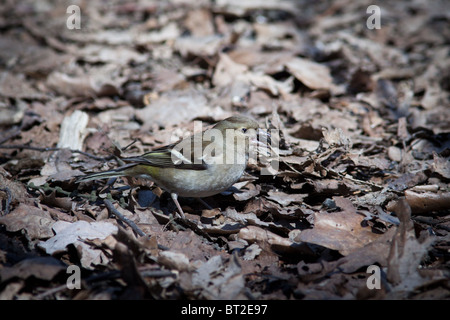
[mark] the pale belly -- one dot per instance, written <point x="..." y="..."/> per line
<point x="199" y="183"/>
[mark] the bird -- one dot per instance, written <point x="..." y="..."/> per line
<point x="201" y="165"/>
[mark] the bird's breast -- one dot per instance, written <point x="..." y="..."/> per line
<point x="199" y="183"/>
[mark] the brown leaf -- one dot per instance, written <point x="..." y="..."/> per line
<point x="427" y="202"/>
<point x="199" y="22"/>
<point x="311" y="74"/>
<point x="374" y="252"/>
<point x="76" y="234"/>
<point x="286" y="198"/>
<point x="64" y="203"/>
<point x="16" y="86"/>
<point x="36" y="222"/>
<point x="174" y="260"/>
<point x="177" y="107"/>
<point x="220" y="279"/>
<point x="340" y="231"/>
<point x="263" y="237"/>
<point x="44" y="268"/>
<point x="441" y="166"/>
<point x="249" y="191"/>
<point x="408" y="180"/>
<point x="406" y="252"/>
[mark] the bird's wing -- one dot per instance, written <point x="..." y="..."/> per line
<point x="181" y="155"/>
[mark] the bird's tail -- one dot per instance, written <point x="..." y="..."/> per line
<point x="114" y="173"/>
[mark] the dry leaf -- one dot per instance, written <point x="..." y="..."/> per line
<point x="36" y="222"/>
<point x="44" y="268"/>
<point x="220" y="279"/>
<point x="340" y="231"/>
<point x="285" y="198"/>
<point x="75" y="233"/>
<point x="311" y="74"/>
<point x="406" y="253"/>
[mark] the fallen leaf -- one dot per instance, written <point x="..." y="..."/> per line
<point x="15" y="86"/>
<point x="220" y="279"/>
<point x="256" y="234"/>
<point x="249" y="191"/>
<point x="340" y="231"/>
<point x="177" y="107"/>
<point x="406" y="253"/>
<point x="312" y="74"/>
<point x="285" y="198"/>
<point x="174" y="260"/>
<point x="75" y="233"/>
<point x="251" y="252"/>
<point x="36" y="222"/>
<point x="375" y="252"/>
<point x="441" y="166"/>
<point x="44" y="268"/>
<point x="427" y="202"/>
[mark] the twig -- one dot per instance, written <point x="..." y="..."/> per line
<point x="120" y="216"/>
<point x="129" y="145"/>
<point x="20" y="146"/>
<point x="14" y="134"/>
<point x="8" y="199"/>
<point x="114" y="274"/>
<point x="50" y="292"/>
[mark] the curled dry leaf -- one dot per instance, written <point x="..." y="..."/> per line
<point x="340" y="231"/>
<point x="63" y="84"/>
<point x="220" y="278"/>
<point x="75" y="233"/>
<point x="238" y="75"/>
<point x="249" y="191"/>
<point x="174" y="260"/>
<point x="312" y="74"/>
<point x="44" y="268"/>
<point x="15" y="86"/>
<point x="375" y="252"/>
<point x="259" y="235"/>
<point x="199" y="22"/>
<point x="201" y="46"/>
<point x="177" y="107"/>
<point x="406" y="253"/>
<point x="427" y="202"/>
<point x="285" y="198"/>
<point x="251" y="252"/>
<point x="441" y="166"/>
<point x="244" y="218"/>
<point x="36" y="222"/>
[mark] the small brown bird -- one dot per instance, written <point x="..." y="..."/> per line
<point x="199" y="166"/>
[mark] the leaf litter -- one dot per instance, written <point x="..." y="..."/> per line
<point x="363" y="150"/>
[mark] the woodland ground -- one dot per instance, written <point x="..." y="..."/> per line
<point x="364" y="147"/>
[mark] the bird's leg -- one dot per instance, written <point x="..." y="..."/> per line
<point x="175" y="199"/>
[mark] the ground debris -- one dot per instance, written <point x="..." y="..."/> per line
<point x="356" y="180"/>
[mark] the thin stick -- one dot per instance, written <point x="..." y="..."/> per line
<point x="20" y="146"/>
<point x="114" y="274"/>
<point x="14" y="134"/>
<point x="8" y="198"/>
<point x="115" y="212"/>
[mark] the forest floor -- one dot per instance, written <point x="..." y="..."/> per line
<point x="356" y="205"/>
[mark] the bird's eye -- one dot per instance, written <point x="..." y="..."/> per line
<point x="244" y="130"/>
